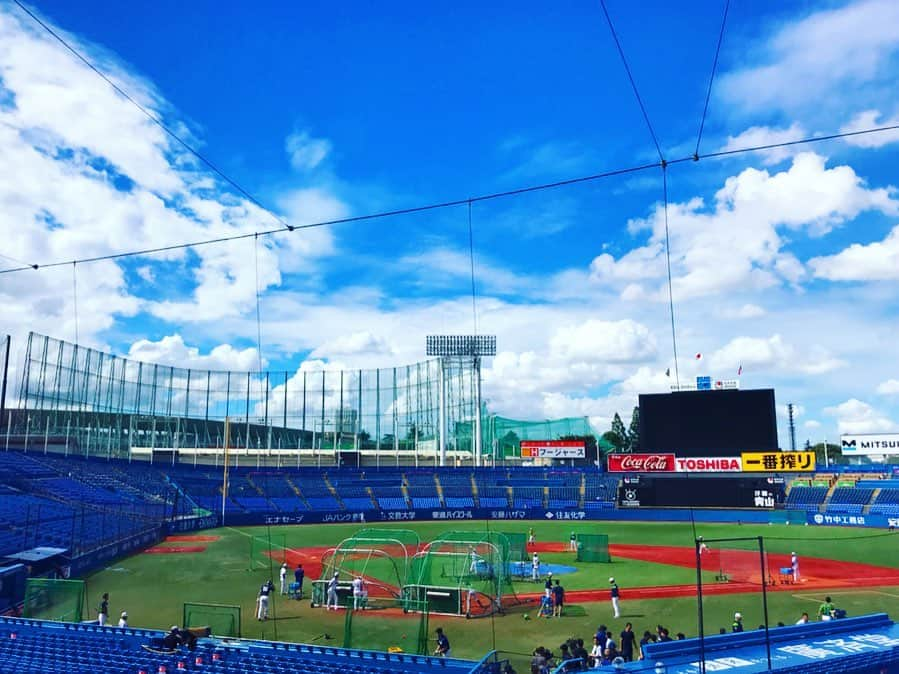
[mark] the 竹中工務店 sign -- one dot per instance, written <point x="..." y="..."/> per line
<point x="778" y="462"/>
<point x="552" y="449"/>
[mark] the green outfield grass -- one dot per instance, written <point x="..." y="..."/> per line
<point x="152" y="587"/>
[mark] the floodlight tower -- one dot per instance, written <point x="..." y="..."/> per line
<point x="463" y="347"/>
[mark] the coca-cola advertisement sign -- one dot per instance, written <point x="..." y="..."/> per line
<point x="641" y="463"/>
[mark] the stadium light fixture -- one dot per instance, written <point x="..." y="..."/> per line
<point x="460" y="345"/>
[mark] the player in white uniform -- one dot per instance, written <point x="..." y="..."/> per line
<point x="332" y="593"/>
<point x="535" y="567"/>
<point x="284" y="578"/>
<point x="794" y="562"/>
<point x="358" y="589"/>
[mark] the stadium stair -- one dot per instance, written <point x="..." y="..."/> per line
<point x="830" y="491"/>
<point x="439" y="488"/>
<point x="867" y="509"/>
<point x="296" y="490"/>
<point x="255" y="486"/>
<point x="371" y="496"/>
<point x="331" y="487"/>
<point x="474" y="489"/>
<point x="582" y="491"/>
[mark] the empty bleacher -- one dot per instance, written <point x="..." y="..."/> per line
<point x="40" y="647"/>
<point x="849" y="500"/>
<point x="806" y="498"/>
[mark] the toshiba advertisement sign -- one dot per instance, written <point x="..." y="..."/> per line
<point x="669" y="463"/>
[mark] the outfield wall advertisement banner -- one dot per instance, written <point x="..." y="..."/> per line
<point x="780" y="462"/>
<point x="641" y="463"/>
<point x="553" y="449"/>
<point x="708" y="465"/>
<point x="669" y="463"/>
<point x="759" y="514"/>
<point x="870" y="443"/>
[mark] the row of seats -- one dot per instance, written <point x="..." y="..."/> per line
<point x="40" y="647"/>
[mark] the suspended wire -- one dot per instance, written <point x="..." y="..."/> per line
<point x="75" y="298"/>
<point x="153" y="118"/>
<point x="16" y="260"/>
<point x="670" y="283"/>
<point x="708" y="93"/>
<point x="458" y="202"/>
<point x="630" y="77"/>
<point x="474" y="304"/>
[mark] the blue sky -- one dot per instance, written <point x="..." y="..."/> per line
<point x="784" y="262"/>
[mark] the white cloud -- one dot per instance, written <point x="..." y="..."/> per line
<point x="745" y="311"/>
<point x="172" y="350"/>
<point x="821" y="60"/>
<point x="890" y="387"/>
<point x="736" y="245"/>
<point x="870" y="119"/>
<point x="877" y="261"/>
<point x="811" y="424"/>
<point x="86" y="174"/>
<point x="773" y="354"/>
<point x="756" y="136"/>
<point x="306" y="152"/>
<point x="856" y="416"/>
<point x="355" y="344"/>
<point x="604" y="341"/>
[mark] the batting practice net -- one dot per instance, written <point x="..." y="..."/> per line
<point x="382" y="558"/>
<point x="462" y="573"/>
<point x="593" y="548"/>
<point x="268" y="551"/>
<point x="736" y="561"/>
<point x="405" y="629"/>
<point x="222" y="620"/>
<point x="50" y="599"/>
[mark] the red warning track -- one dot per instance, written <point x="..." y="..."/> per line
<point x="741" y="566"/>
<point x="191" y="539"/>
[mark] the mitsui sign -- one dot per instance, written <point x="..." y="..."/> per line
<point x="870" y="443"/>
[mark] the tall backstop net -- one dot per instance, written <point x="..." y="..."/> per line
<point x="382" y="558"/>
<point x="50" y="599"/>
<point x="462" y="573"/>
<point x="593" y="548"/>
<point x="223" y="620"/>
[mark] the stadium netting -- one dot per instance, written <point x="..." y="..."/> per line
<point x="593" y="548"/>
<point x="463" y="573"/>
<point x="52" y="599"/>
<point x="382" y="558"/>
<point x="223" y="620"/>
<point x="406" y="629"/>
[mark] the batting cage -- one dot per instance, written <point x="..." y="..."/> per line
<point x="405" y="628"/>
<point x="50" y="599"/>
<point x="267" y="551"/>
<point x="223" y="620"/>
<point x="462" y="573"/>
<point x="381" y="558"/>
<point x="593" y="548"/>
<point x="739" y="561"/>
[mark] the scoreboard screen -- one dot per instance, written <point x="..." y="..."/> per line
<point x="708" y="423"/>
<point x="704" y="492"/>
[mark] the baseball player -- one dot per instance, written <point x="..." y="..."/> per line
<point x="535" y="567"/>
<point x="794" y="562"/>
<point x="332" y="592"/>
<point x="615" y="594"/>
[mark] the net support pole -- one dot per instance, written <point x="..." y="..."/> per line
<point x="700" y="616"/>
<point x="441" y="439"/>
<point x="765" y="599"/>
<point x="225" y="466"/>
<point x="477" y="414"/>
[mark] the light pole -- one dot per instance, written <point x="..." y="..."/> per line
<point x="463" y="347"/>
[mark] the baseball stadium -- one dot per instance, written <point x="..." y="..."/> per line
<point x="318" y="322"/>
<point x="178" y="494"/>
